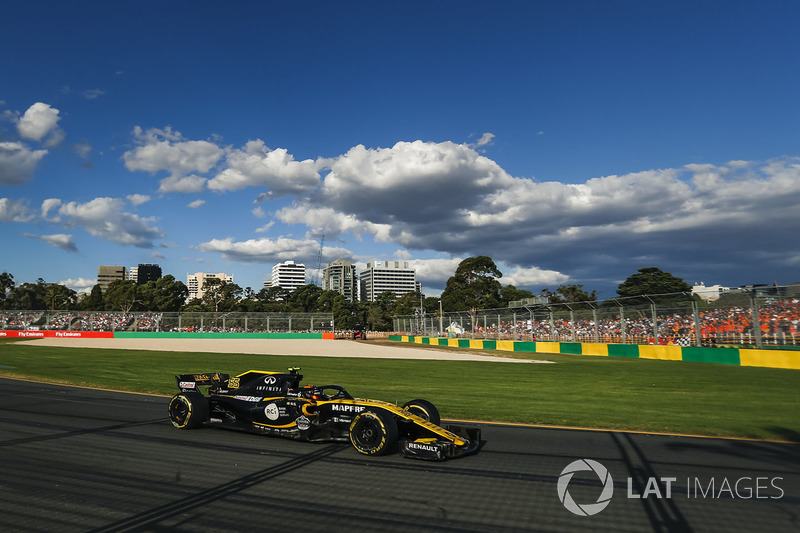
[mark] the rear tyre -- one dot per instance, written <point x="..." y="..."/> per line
<point x="424" y="409"/>
<point x="188" y="410"/>
<point x="373" y="432"/>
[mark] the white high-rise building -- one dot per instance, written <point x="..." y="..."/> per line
<point x="195" y="282"/>
<point x="289" y="275"/>
<point x="383" y="276"/>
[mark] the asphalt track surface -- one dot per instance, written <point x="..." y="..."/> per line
<point x="76" y="459"/>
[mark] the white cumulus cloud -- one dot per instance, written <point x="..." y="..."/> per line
<point x="182" y="184"/>
<point x="39" y="121"/>
<point x="57" y="240"/>
<point x="325" y="220"/>
<point x="105" y="218"/>
<point x="138" y="199"/>
<point x="18" y="163"/>
<point x="79" y="284"/>
<point x="416" y="180"/>
<point x="15" y="211"/>
<point x="533" y="276"/>
<point x="267" y="250"/>
<point x="48" y="205"/>
<point x="257" y="166"/>
<point x="167" y="150"/>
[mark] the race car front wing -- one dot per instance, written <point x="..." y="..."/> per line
<point x="439" y="449"/>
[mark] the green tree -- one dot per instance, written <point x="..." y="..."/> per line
<point x="305" y="298"/>
<point x="379" y="313"/>
<point x="6" y="286"/>
<point x="347" y="314"/>
<point x="28" y="296"/>
<point x="219" y="296"/>
<point x="473" y="286"/>
<point x="94" y="301"/>
<point x="326" y="301"/>
<point x="510" y="293"/>
<point x="408" y="303"/>
<point x="195" y="305"/>
<point x="232" y="294"/>
<point x="250" y="305"/>
<point x="569" y="294"/>
<point x="168" y="294"/>
<point x="123" y="295"/>
<point x="249" y="294"/>
<point x="59" y="297"/>
<point x="273" y="299"/>
<point x="652" y="280"/>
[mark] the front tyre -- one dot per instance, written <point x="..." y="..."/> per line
<point x="188" y="410"/>
<point x="424" y="409"/>
<point x="373" y="432"/>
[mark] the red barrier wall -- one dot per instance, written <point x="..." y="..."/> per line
<point x="64" y="334"/>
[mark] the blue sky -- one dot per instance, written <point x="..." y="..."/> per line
<point x="571" y="141"/>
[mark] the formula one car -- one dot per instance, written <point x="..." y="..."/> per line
<point x="274" y="403"/>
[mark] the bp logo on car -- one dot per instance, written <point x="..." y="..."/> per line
<point x="272" y="412"/>
<point x="585" y="509"/>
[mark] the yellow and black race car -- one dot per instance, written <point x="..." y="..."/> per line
<point x="274" y="403"/>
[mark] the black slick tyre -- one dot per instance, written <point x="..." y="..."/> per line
<point x="188" y="410"/>
<point x="373" y="432"/>
<point x="424" y="409"/>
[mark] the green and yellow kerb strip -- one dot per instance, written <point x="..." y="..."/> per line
<point x="788" y="359"/>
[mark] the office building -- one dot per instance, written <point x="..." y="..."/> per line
<point x="143" y="273"/>
<point x="147" y="272"/>
<point x="106" y="274"/>
<point x="340" y="276"/>
<point x="383" y="276"/>
<point x="289" y="275"/>
<point x="195" y="283"/>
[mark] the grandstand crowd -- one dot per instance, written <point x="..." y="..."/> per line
<point x="75" y="321"/>
<point x="142" y="322"/>
<point x="779" y="323"/>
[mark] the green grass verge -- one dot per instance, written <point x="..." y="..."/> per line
<point x="596" y="392"/>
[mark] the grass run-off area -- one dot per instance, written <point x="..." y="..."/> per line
<point x="575" y="391"/>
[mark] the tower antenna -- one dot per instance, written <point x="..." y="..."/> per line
<point x="319" y="259"/>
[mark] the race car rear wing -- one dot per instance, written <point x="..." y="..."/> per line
<point x="190" y="382"/>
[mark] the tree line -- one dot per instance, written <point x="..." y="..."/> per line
<point x="474" y="285"/>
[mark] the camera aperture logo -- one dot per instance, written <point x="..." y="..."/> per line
<point x="586" y="509"/>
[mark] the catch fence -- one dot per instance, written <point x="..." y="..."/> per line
<point x="760" y="317"/>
